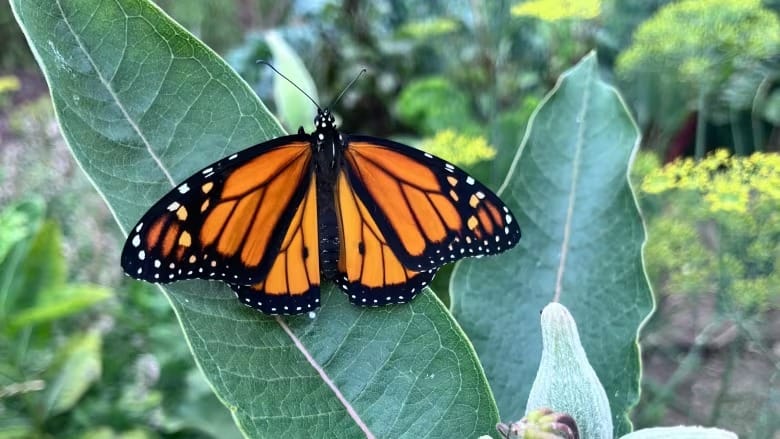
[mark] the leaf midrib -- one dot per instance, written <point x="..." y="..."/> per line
<point x="576" y="164"/>
<point x="115" y="97"/>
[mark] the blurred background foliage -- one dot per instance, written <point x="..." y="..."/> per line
<point x="85" y="352"/>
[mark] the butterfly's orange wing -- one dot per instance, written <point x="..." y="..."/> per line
<point x="369" y="269"/>
<point x="405" y="213"/>
<point x="227" y="221"/>
<point x="292" y="283"/>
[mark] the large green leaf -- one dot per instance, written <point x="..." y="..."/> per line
<point x="581" y="246"/>
<point x="143" y="104"/>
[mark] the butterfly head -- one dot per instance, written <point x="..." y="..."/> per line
<point x="324" y="120"/>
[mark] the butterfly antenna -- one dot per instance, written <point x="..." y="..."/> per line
<point x="260" y="61"/>
<point x="336" y="101"/>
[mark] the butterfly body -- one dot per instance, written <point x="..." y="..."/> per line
<point x="328" y="146"/>
<point x="376" y="217"/>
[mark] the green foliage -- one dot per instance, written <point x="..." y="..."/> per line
<point x="58" y="350"/>
<point x="714" y="56"/>
<point x="13" y="51"/>
<point x="75" y="369"/>
<point x="435" y="104"/>
<point x="772" y="108"/>
<point x="720" y="227"/>
<point x="212" y="20"/>
<point x="35" y="294"/>
<point x="18" y="221"/>
<point x="703" y="42"/>
<point x="36" y="161"/>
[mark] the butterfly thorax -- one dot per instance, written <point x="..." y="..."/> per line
<point x="328" y="144"/>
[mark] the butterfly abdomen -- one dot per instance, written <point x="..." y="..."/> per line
<point x="327" y="228"/>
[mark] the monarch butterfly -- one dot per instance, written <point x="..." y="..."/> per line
<point x="273" y="221"/>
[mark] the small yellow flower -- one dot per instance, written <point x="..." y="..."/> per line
<point x="554" y="10"/>
<point x="9" y="84"/>
<point x="428" y="28"/>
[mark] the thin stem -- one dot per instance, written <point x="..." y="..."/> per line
<point x="689" y="364"/>
<point x="701" y="126"/>
<point x="740" y="148"/>
<point x="724" y="382"/>
<point x="755" y="121"/>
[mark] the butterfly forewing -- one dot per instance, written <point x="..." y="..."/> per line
<point x="226" y="221"/>
<point x="430" y="211"/>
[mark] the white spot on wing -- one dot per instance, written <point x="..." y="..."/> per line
<point x="470" y="180"/>
<point x="173" y="206"/>
<point x="183" y="189"/>
<point x="142" y="255"/>
<point x="232" y="156"/>
<point x="136" y="241"/>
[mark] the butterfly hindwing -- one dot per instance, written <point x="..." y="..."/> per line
<point x="226" y="221"/>
<point x="430" y="211"/>
<point x="292" y="284"/>
<point x="369" y="271"/>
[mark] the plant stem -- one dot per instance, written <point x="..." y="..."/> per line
<point x="724" y="381"/>
<point x="701" y="126"/>
<point x="755" y="119"/>
<point x="690" y="363"/>
<point x="740" y="148"/>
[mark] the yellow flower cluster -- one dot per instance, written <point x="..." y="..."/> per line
<point x="727" y="183"/>
<point x="460" y="149"/>
<point x="428" y="28"/>
<point x="9" y="84"/>
<point x="554" y="10"/>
